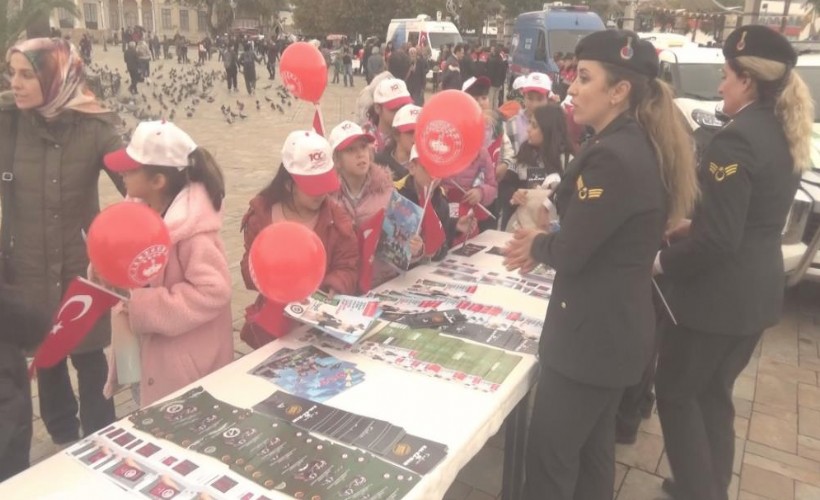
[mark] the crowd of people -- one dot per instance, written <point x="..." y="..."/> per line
<point x="594" y="175"/>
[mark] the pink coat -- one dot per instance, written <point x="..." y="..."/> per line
<point x="184" y="318"/>
<point x="482" y="165"/>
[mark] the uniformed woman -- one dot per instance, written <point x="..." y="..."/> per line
<point x="726" y="269"/>
<point x="634" y="174"/>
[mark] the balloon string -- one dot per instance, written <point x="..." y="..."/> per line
<point x="424" y="207"/>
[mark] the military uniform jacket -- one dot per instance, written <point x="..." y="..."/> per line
<point x="727" y="276"/>
<point x="600" y="321"/>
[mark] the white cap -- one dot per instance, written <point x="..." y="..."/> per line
<point x="519" y="82"/>
<point x="159" y="143"/>
<point x="392" y="93"/>
<point x="538" y="82"/>
<point x="406" y="118"/>
<point x="345" y="133"/>
<point x="308" y="158"/>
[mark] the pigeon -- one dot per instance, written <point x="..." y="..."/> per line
<point x="258" y="106"/>
<point x="242" y="115"/>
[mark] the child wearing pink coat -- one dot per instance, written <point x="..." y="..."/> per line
<point x="183" y="319"/>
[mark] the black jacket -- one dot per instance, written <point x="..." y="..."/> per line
<point x="600" y="323"/>
<point x="385" y="157"/>
<point x="497" y="71"/>
<point x="727" y="277"/>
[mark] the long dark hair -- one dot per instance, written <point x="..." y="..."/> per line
<point x="556" y="145"/>
<point x="279" y="190"/>
<point x="203" y="168"/>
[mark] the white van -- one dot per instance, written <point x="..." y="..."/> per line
<point x="436" y="34"/>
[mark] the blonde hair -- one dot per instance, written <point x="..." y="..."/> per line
<point x="651" y="103"/>
<point x="792" y="100"/>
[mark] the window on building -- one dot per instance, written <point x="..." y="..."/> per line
<point x="166" y="19"/>
<point x="90" y="15"/>
<point x="183" y="20"/>
<point x="113" y="15"/>
<point x="202" y="20"/>
<point x="66" y="19"/>
<point x="147" y="16"/>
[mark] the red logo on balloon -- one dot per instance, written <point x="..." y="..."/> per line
<point x="442" y="141"/>
<point x="292" y="82"/>
<point x="148" y="263"/>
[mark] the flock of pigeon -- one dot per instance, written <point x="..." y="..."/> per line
<point x="184" y="90"/>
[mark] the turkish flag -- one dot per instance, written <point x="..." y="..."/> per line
<point x="317" y="122"/>
<point x="432" y="231"/>
<point x="494" y="149"/>
<point x="368" y="235"/>
<point x="83" y="304"/>
<point x="455" y="195"/>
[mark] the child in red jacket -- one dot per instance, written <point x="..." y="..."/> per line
<point x="300" y="193"/>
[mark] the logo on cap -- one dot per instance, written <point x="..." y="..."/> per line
<point x="627" y="51"/>
<point x="316" y="157"/>
<point x="347" y="126"/>
<point x="741" y="44"/>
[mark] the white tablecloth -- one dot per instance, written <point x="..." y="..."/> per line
<point x="462" y="418"/>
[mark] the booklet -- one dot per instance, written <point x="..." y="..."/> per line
<point x="401" y="222"/>
<point x="345" y="317"/>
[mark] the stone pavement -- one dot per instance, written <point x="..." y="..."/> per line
<point x="777" y="397"/>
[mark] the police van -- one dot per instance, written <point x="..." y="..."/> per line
<point x="695" y="74"/>
<point x="538" y="36"/>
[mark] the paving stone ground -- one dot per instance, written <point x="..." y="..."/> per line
<point x="777" y="396"/>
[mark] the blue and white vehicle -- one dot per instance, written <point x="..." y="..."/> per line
<point x="538" y="36"/>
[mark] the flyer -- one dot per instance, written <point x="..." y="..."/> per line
<point x="345" y="317"/>
<point x="309" y="372"/>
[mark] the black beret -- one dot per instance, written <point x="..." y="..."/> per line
<point x="759" y="41"/>
<point x="620" y="48"/>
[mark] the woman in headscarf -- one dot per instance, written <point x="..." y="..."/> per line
<point x="53" y="135"/>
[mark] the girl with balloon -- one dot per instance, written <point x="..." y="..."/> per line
<point x="183" y="317"/>
<point x="300" y="193"/>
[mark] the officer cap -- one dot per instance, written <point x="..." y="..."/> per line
<point x="620" y="48"/>
<point x="759" y="41"/>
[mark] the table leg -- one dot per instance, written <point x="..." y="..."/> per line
<point x="515" y="446"/>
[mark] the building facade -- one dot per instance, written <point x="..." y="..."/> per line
<point x="104" y="17"/>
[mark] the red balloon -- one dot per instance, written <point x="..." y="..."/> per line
<point x="128" y="244"/>
<point x="304" y="71"/>
<point x="449" y="133"/>
<point x="287" y="262"/>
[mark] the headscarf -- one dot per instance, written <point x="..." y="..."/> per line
<point x="59" y="69"/>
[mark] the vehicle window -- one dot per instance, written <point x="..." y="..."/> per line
<point x="527" y="43"/>
<point x="439" y="39"/>
<point x="413" y="38"/>
<point x="565" y="40"/>
<point x="700" y="81"/>
<point x="541" y="47"/>
<point x="811" y="75"/>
